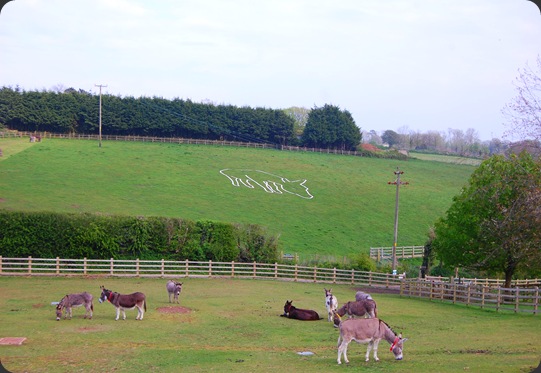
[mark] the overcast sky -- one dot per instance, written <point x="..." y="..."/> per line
<point x="419" y="65"/>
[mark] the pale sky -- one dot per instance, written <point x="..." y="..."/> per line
<point x="419" y="65"/>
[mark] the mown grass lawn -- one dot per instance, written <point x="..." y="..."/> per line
<point x="352" y="209"/>
<point x="233" y="325"/>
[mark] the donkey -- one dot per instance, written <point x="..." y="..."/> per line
<point x="174" y="288"/>
<point x="331" y="304"/>
<point x="75" y="300"/>
<point x="361" y="295"/>
<point x="369" y="331"/>
<point x="366" y="308"/>
<point x="124" y="302"/>
<point x="297" y="313"/>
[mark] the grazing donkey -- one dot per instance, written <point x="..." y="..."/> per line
<point x="365" y="308"/>
<point x="174" y="288"/>
<point x="369" y="331"/>
<point x="123" y="302"/>
<point x="75" y="300"/>
<point x="331" y="304"/>
<point x="297" y="313"/>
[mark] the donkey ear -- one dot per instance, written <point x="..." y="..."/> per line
<point x="405" y="339"/>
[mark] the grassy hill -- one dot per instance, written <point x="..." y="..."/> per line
<point x="352" y="208"/>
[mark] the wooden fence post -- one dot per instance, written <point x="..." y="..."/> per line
<point x="315" y="273"/>
<point x="210" y="268"/>
<point x="163" y="267"/>
<point x="137" y="267"/>
<point x="536" y="300"/>
<point x="187" y="268"/>
<point x="334" y="275"/>
<point x="517" y="298"/>
<point x="275" y="270"/>
<point x="352" y="276"/>
<point x="469" y="294"/>
<point x="482" y="297"/>
<point x="57" y="265"/>
<point x="454" y="293"/>
<point x="112" y="266"/>
<point x="29" y="265"/>
<point x="84" y="266"/>
<point x="296" y="270"/>
<point x="499" y="299"/>
<point x="255" y="269"/>
<point x="0" y="263"/>
<point x="232" y="268"/>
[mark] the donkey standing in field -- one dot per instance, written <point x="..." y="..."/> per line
<point x="174" y="288"/>
<point x="123" y="302"/>
<point x="369" y="331"/>
<point x="365" y="308"/>
<point x="331" y="304"/>
<point x="75" y="300"/>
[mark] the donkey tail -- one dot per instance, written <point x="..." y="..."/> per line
<point x="145" y="305"/>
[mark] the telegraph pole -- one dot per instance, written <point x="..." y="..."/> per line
<point x="397" y="182"/>
<point x="100" y="85"/>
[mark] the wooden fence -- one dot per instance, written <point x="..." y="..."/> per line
<point x="176" y="140"/>
<point x="490" y="282"/>
<point x="511" y="299"/>
<point x="402" y="252"/>
<point x="168" y="268"/>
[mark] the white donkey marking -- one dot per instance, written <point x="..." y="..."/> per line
<point x="268" y="182"/>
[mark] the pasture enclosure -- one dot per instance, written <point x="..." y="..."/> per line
<point x="209" y="269"/>
<point x="352" y="208"/>
<point x="517" y="299"/>
<point x="484" y="294"/>
<point x="233" y="325"/>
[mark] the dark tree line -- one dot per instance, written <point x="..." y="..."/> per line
<point x="75" y="111"/>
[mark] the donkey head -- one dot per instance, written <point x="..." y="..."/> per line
<point x="104" y="294"/>
<point x="328" y="293"/>
<point x="397" y="347"/>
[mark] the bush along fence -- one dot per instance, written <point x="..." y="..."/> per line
<point x="481" y="294"/>
<point x="30" y="266"/>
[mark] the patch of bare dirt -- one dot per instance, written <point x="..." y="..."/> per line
<point x="173" y="309"/>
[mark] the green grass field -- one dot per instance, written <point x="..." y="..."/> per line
<point x="352" y="209"/>
<point x="234" y="326"/>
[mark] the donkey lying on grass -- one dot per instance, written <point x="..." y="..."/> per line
<point x="293" y="312"/>
<point x="123" y="302"/>
<point x="75" y="300"/>
<point x="369" y="331"/>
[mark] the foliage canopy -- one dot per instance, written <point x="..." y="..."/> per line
<point x="493" y="224"/>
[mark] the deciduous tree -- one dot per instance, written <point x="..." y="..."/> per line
<point x="523" y="113"/>
<point x="493" y="224"/>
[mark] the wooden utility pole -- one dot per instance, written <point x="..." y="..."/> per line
<point x="397" y="182"/>
<point x="100" y="85"/>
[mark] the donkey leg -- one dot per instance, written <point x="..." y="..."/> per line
<point x="117" y="313"/>
<point x="368" y="349"/>
<point x="376" y="344"/>
<point x="342" y="347"/>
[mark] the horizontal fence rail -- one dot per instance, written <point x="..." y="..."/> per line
<point x="491" y="282"/>
<point x="169" y="268"/>
<point x="498" y="298"/>
<point x="402" y="252"/>
<point x="175" y="140"/>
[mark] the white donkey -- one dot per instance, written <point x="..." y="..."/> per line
<point x="331" y="304"/>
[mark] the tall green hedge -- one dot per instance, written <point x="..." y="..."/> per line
<point x="96" y="236"/>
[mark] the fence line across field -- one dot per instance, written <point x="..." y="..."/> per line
<point x="170" y="268"/>
<point x="402" y="252"/>
<point x="517" y="299"/>
<point x="482" y="293"/>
